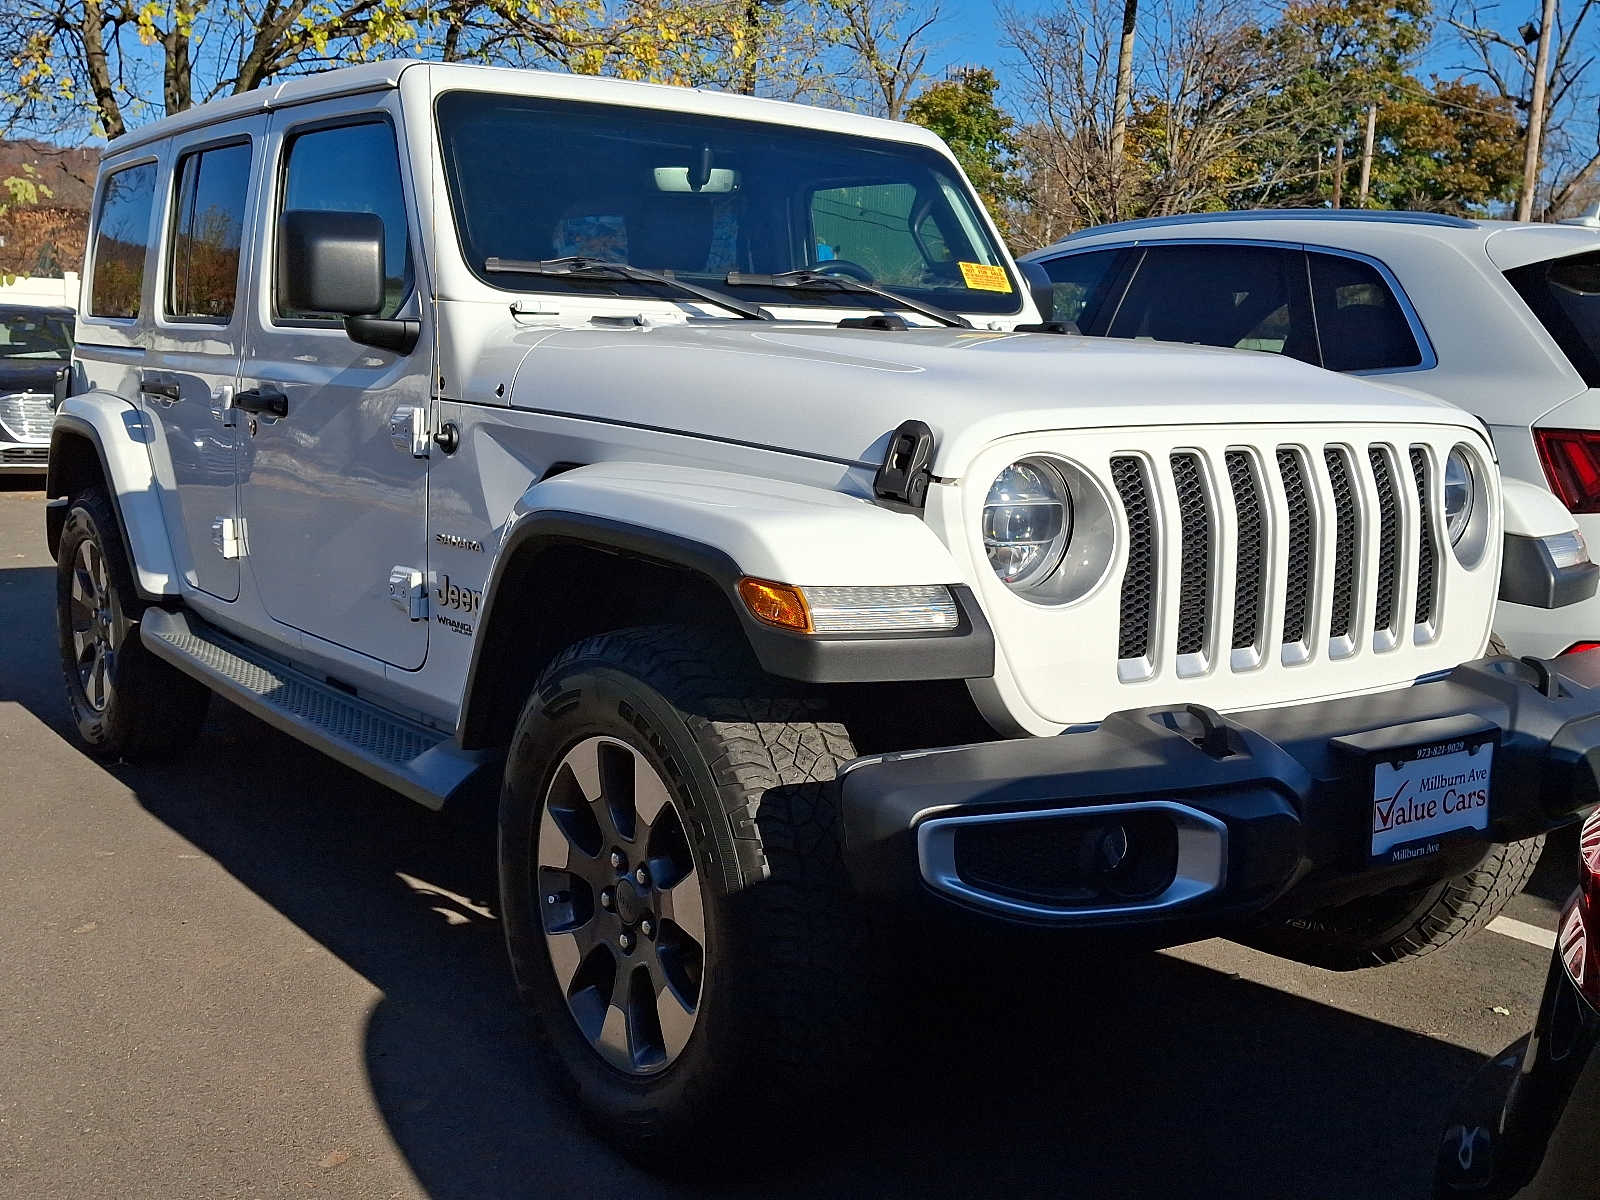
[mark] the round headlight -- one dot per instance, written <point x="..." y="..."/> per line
<point x="1460" y="493"/>
<point x="1027" y="522"/>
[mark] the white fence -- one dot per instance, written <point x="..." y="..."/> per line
<point x="24" y="290"/>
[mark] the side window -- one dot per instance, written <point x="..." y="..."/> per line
<point x="208" y="221"/>
<point x="353" y="168"/>
<point x="122" y="232"/>
<point x="1085" y="287"/>
<point x="1242" y="297"/>
<point x="1359" y="321"/>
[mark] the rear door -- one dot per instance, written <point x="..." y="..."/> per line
<point x="332" y="502"/>
<point x="188" y="378"/>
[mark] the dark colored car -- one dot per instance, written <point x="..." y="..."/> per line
<point x="35" y="347"/>
<point x="1530" y="1124"/>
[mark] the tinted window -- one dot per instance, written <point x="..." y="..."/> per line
<point x="704" y="196"/>
<point x="33" y="333"/>
<point x="1085" y="287"/>
<point x="1565" y="295"/>
<point x="1359" y="321"/>
<point x="121" y="235"/>
<point x="354" y="168"/>
<point x="208" y="221"/>
<point x="1243" y="297"/>
<point x="871" y="226"/>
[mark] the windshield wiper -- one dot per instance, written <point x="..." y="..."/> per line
<point x="815" y="281"/>
<point x="600" y="268"/>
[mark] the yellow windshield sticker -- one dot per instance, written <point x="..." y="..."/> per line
<point x="981" y="277"/>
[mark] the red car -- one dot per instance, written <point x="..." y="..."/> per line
<point x="1530" y="1125"/>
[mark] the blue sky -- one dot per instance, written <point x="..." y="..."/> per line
<point x="969" y="35"/>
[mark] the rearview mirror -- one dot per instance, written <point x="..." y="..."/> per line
<point x="330" y="262"/>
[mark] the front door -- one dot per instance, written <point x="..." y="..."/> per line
<point x="332" y="503"/>
<point x="186" y="382"/>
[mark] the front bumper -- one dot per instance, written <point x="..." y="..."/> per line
<point x="1260" y="815"/>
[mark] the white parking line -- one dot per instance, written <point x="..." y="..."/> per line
<point x="1524" y="932"/>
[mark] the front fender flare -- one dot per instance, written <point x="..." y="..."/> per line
<point x="723" y="527"/>
<point x="120" y="438"/>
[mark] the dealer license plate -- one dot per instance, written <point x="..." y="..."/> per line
<point x="1427" y="794"/>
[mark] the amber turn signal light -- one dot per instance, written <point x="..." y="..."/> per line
<point x="776" y="604"/>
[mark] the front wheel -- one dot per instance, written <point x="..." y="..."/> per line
<point x="1396" y="926"/>
<point x="672" y="885"/>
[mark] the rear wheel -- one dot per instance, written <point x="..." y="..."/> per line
<point x="1390" y="928"/>
<point x="125" y="701"/>
<point x="672" y="886"/>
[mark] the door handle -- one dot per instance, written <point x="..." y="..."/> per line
<point x="162" y="391"/>
<point x="267" y="401"/>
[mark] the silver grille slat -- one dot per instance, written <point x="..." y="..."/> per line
<point x="1302" y="547"/>
<point x="1250" y="561"/>
<point x="1390" y="547"/>
<point x="1319" y="545"/>
<point x="26" y="416"/>
<point x="1427" y="563"/>
<point x="1194" y="588"/>
<point x="1139" y="580"/>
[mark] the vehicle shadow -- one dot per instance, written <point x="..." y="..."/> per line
<point x="1141" y="1077"/>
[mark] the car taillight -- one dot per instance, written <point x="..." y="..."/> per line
<point x="1571" y="461"/>
<point x="1581" y="647"/>
<point x="1579" y="938"/>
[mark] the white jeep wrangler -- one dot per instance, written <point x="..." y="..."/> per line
<point x="694" y="469"/>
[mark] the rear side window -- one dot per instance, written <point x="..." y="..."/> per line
<point x="1241" y="297"/>
<point x="1564" y="294"/>
<point x="353" y="168"/>
<point x="122" y="232"/>
<point x="1360" y="322"/>
<point x="1084" y="288"/>
<point x="208" y="221"/>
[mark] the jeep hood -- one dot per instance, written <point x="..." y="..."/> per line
<point x="839" y="393"/>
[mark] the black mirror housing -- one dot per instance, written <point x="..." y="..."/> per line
<point x="331" y="262"/>
<point x="1040" y="288"/>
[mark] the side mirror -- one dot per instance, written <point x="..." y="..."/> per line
<point x="1040" y="288"/>
<point x="331" y="262"/>
<point x="61" y="387"/>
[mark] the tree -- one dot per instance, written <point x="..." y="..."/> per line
<point x="1504" y="61"/>
<point x="1454" y="147"/>
<point x="70" y="64"/>
<point x="962" y="110"/>
<point x="886" y="49"/>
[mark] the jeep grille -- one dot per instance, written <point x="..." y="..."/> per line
<point x="1328" y="504"/>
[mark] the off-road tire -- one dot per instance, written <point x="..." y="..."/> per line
<point x="1391" y="928"/>
<point x="151" y="710"/>
<point x="752" y="761"/>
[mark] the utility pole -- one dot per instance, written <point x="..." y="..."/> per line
<point x="1366" y="153"/>
<point x="1123" y="97"/>
<point x="1530" y="153"/>
<point x="1338" y="169"/>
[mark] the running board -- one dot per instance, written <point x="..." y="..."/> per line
<point x="417" y="762"/>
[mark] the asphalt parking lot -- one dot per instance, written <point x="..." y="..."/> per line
<point x="253" y="973"/>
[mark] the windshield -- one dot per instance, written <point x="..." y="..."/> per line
<point x="1564" y="294"/>
<point x="701" y="197"/>
<point x="32" y="334"/>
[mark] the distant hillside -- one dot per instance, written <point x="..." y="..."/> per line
<point x="47" y="239"/>
<point x="68" y="173"/>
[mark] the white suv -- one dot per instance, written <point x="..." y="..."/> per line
<point x="692" y="470"/>
<point x="1502" y="319"/>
